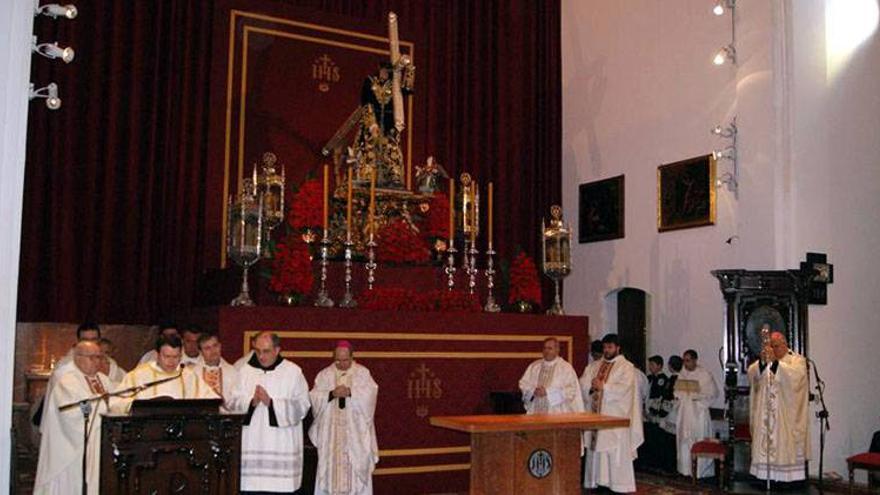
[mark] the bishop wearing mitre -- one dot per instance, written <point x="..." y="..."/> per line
<point x="343" y="404"/>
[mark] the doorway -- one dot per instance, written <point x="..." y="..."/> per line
<point x="628" y="315"/>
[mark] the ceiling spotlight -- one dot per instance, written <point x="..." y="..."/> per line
<point x="724" y="54"/>
<point x="54" y="10"/>
<point x="53" y="51"/>
<point x="50" y="93"/>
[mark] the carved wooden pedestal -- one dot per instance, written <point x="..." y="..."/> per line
<point x="171" y="453"/>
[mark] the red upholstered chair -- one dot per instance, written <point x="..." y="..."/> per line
<point x="712" y="449"/>
<point x="867" y="460"/>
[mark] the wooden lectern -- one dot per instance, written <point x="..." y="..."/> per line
<point x="171" y="446"/>
<point x="527" y="454"/>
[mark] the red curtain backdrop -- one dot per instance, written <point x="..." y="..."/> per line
<point x="120" y="214"/>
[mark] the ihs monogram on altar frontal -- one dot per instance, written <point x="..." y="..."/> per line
<point x="325" y="71"/>
<point x="423" y="385"/>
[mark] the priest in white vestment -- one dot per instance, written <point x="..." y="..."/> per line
<point x="180" y="382"/>
<point x="550" y="384"/>
<point x="614" y="392"/>
<point x="779" y="413"/>
<point x="343" y="404"/>
<point x="109" y="366"/>
<point x="274" y="395"/>
<point x="596" y="354"/>
<point x="693" y="421"/>
<point x="215" y="371"/>
<point x="59" y="470"/>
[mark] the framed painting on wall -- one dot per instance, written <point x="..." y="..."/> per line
<point x="686" y="194"/>
<point x="601" y="210"/>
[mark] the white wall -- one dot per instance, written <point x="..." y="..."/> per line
<point x="15" y="57"/>
<point x="639" y="90"/>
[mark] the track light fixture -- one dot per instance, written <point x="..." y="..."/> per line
<point x="731" y="178"/>
<point x="727" y="179"/>
<point x="50" y="93"/>
<point x="723" y="5"/>
<point x="55" y="10"/>
<point x="728" y="153"/>
<point x="53" y="51"/>
<point x="725" y="132"/>
<point x="725" y="54"/>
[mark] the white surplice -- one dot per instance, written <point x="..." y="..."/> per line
<point x="610" y="453"/>
<point x="221" y="378"/>
<point x="559" y="381"/>
<point x="59" y="470"/>
<point x="693" y="422"/>
<point x="345" y="438"/>
<point x="779" y="403"/>
<point x="243" y="360"/>
<point x="272" y="437"/>
<point x="187" y="385"/>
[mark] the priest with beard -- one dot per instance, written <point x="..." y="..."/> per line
<point x="59" y="470"/>
<point x="779" y="413"/>
<point x="614" y="392"/>
<point x="343" y="404"/>
<point x="274" y="395"/>
<point x="550" y="384"/>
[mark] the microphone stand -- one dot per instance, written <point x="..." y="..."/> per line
<point x="85" y="405"/>
<point x="824" y="424"/>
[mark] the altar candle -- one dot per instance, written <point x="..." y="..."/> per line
<point x="489" y="206"/>
<point x="348" y="208"/>
<point x="326" y="195"/>
<point x="451" y="211"/>
<point x="372" y="199"/>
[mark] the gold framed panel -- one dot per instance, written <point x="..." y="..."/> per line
<point x="234" y="16"/>
<point x="686" y="195"/>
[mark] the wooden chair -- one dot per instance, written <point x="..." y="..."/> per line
<point x="869" y="461"/>
<point x="712" y="449"/>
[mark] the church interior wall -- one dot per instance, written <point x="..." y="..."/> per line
<point x="640" y="90"/>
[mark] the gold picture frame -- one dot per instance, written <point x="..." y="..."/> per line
<point x="686" y="194"/>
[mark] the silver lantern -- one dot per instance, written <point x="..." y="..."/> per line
<point x="245" y="235"/>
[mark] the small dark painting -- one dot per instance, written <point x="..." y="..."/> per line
<point x="686" y="194"/>
<point x="600" y="210"/>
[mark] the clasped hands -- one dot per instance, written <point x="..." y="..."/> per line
<point x="341" y="391"/>
<point x="261" y="396"/>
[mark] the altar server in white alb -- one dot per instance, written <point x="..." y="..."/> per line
<point x="693" y="421"/>
<point x="274" y="395"/>
<point x="59" y="470"/>
<point x="614" y="392"/>
<point x="550" y="384"/>
<point x="779" y="404"/>
<point x="216" y="372"/>
<point x="343" y="404"/>
<point x="179" y="382"/>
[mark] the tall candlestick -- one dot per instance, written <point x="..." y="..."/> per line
<point x="475" y="222"/>
<point x="348" y="207"/>
<point x="326" y="194"/>
<point x="489" y="207"/>
<point x="451" y="211"/>
<point x="372" y="201"/>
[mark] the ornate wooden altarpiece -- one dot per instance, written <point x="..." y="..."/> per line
<point x="779" y="298"/>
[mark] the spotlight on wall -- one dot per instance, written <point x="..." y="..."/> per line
<point x="727" y="179"/>
<point x="50" y="93"/>
<point x="53" y="51"/>
<point x="728" y="153"/>
<point x="723" y="5"/>
<point x="727" y="53"/>
<point x="55" y="10"/>
<point x="725" y="132"/>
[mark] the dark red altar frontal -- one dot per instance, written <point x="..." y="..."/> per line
<point x="426" y="364"/>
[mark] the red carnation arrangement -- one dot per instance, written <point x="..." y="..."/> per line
<point x="307" y="207"/>
<point x="437" y="223"/>
<point x="524" y="284"/>
<point x="399" y="299"/>
<point x="398" y="243"/>
<point x="292" y="267"/>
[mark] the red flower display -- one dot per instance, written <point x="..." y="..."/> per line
<point x="307" y="207"/>
<point x="398" y="299"/>
<point x="437" y="222"/>
<point x="398" y="243"/>
<point x="292" y="267"/>
<point x="524" y="284"/>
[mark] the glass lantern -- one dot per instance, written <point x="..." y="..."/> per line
<point x="244" y="235"/>
<point x="556" y="253"/>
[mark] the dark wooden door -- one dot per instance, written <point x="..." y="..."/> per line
<point x="632" y="324"/>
